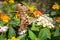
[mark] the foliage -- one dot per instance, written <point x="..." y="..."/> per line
<point x="45" y="26"/>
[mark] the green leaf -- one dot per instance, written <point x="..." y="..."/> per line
<point x="53" y="13"/>
<point x="2" y="37"/>
<point x="13" y="6"/>
<point x="37" y="39"/>
<point x="10" y="14"/>
<point x="34" y="27"/>
<point x="44" y="34"/>
<point x="32" y="36"/>
<point x="22" y="37"/>
<point x="11" y="32"/>
<point x="12" y="23"/>
<point x="15" y="22"/>
<point x="2" y="23"/>
<point x="56" y="32"/>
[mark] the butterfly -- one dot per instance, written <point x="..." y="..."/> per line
<point x="26" y="16"/>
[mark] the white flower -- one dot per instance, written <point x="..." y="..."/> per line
<point x="44" y="25"/>
<point x="50" y="24"/>
<point x="22" y="32"/>
<point x="3" y="29"/>
<point x="38" y="23"/>
<point x="45" y="21"/>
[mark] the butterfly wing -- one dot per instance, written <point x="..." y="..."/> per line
<point x="27" y="12"/>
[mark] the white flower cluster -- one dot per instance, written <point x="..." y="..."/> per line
<point x="45" y="21"/>
<point x="3" y="29"/>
